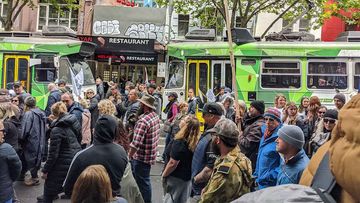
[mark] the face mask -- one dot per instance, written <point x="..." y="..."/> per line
<point x="126" y="92"/>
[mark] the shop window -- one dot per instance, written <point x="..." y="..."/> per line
<point x="50" y="15"/>
<point x="3" y="10"/>
<point x="46" y="71"/>
<point x="280" y="74"/>
<point x="176" y="75"/>
<point x="286" y="23"/>
<point x="357" y="76"/>
<point x="327" y="75"/>
<point x="304" y="25"/>
<point x="183" y="25"/>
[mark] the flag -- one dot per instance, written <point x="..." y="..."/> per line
<point x="77" y="81"/>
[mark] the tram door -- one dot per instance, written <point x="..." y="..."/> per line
<point x="198" y="78"/>
<point x="16" y="68"/>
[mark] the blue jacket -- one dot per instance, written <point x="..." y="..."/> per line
<point x="268" y="160"/>
<point x="290" y="172"/>
<point x="54" y="96"/>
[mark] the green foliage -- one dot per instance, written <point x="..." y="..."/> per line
<point x="347" y="10"/>
<point x="14" y="8"/>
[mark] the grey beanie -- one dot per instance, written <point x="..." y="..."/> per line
<point x="340" y="97"/>
<point x="293" y="135"/>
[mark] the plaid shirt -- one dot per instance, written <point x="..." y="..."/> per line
<point x="146" y="137"/>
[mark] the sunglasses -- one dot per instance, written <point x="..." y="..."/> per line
<point x="321" y="112"/>
<point x="331" y="121"/>
<point x="269" y="119"/>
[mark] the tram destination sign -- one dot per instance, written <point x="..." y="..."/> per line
<point x="127" y="58"/>
<point x="120" y="44"/>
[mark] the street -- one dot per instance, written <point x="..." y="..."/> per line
<point x="28" y="194"/>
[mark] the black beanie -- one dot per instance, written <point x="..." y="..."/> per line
<point x="331" y="113"/>
<point x="258" y="105"/>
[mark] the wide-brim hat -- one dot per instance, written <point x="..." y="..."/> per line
<point x="148" y="101"/>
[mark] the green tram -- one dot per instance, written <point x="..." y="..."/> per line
<point x="36" y="61"/>
<point x="264" y="69"/>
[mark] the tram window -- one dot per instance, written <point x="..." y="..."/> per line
<point x="203" y="81"/>
<point x="280" y="74"/>
<point x="64" y="71"/>
<point x="46" y="71"/>
<point x="192" y="76"/>
<point x="10" y="68"/>
<point x="217" y="76"/>
<point x="23" y="69"/>
<point x="248" y="62"/>
<point x="176" y="75"/>
<point x="357" y="76"/>
<point x="228" y="76"/>
<point x="327" y="75"/>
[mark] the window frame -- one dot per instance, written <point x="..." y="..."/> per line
<point x="35" y="69"/>
<point x="262" y="63"/>
<point x="2" y="8"/>
<point x="326" y="61"/>
<point x="47" y="5"/>
<point x="355" y="75"/>
<point x="183" y="21"/>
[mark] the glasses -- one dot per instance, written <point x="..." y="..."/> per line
<point x="331" y="121"/>
<point x="269" y="119"/>
<point x="321" y="112"/>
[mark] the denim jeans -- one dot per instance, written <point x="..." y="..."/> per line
<point x="141" y="173"/>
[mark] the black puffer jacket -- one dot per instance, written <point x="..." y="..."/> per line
<point x="63" y="147"/>
<point x="12" y="133"/>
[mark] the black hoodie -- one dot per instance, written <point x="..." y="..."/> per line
<point x="104" y="152"/>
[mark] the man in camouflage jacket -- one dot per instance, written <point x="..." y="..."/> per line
<point x="231" y="177"/>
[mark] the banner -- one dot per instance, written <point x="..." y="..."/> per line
<point x="77" y="81"/>
<point x="131" y="22"/>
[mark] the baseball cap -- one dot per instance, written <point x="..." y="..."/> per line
<point x="17" y="84"/>
<point x="213" y="108"/>
<point x="227" y="131"/>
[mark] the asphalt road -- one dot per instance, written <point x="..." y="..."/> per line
<point x="28" y="194"/>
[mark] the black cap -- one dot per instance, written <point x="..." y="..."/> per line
<point x="213" y="108"/>
<point x="258" y="105"/>
<point x="17" y="84"/>
<point x="331" y="113"/>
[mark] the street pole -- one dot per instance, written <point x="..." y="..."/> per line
<point x="232" y="58"/>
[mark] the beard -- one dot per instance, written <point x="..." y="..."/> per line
<point x="215" y="149"/>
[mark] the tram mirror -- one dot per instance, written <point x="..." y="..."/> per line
<point x="34" y="62"/>
<point x="57" y="61"/>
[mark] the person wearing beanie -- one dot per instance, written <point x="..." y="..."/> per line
<point x="268" y="159"/>
<point x="249" y="140"/>
<point x="339" y="101"/>
<point x="100" y="153"/>
<point x="231" y="177"/>
<point x="294" y="160"/>
<point x="323" y="131"/>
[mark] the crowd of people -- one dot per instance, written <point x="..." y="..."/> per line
<point x="101" y="148"/>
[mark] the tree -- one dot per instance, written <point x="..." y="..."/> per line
<point x="246" y="10"/>
<point x="346" y="10"/>
<point x="14" y="8"/>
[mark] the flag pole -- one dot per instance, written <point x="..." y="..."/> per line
<point x="232" y="58"/>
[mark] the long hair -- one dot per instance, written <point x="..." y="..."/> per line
<point x="314" y="105"/>
<point x="292" y="121"/>
<point x="277" y="97"/>
<point x="301" y="107"/>
<point x="92" y="186"/>
<point x="122" y="136"/>
<point x="190" y="132"/>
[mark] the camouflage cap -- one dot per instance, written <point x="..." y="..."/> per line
<point x="227" y="130"/>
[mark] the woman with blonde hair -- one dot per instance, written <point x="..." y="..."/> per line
<point x="290" y="114"/>
<point x="63" y="147"/>
<point x="94" y="186"/>
<point x="177" y="173"/>
<point x="106" y="107"/>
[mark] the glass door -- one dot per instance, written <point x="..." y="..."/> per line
<point x="16" y="68"/>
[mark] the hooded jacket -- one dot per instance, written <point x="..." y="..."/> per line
<point x="268" y="160"/>
<point x="63" y="147"/>
<point x="104" y="152"/>
<point x="33" y="136"/>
